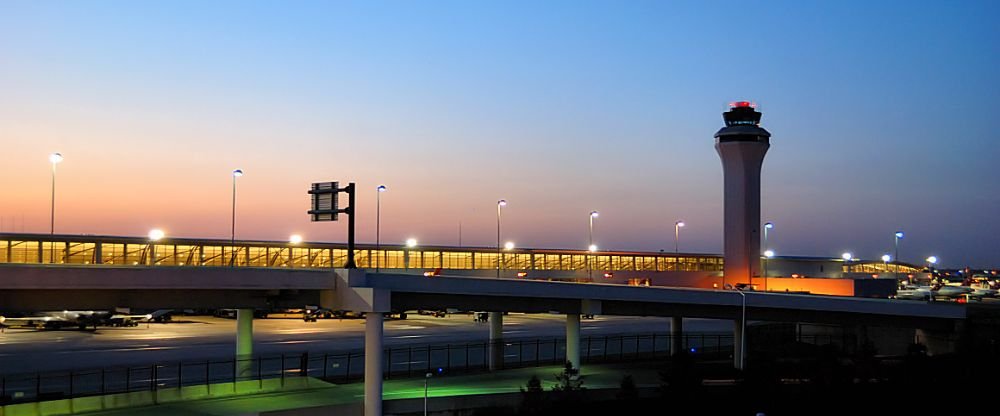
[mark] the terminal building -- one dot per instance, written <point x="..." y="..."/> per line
<point x="620" y="267"/>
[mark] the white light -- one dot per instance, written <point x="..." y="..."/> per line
<point x="412" y="242"/>
<point x="238" y="172"/>
<point x="295" y="239"/>
<point x="899" y="234"/>
<point x="55" y="158"/>
<point x="382" y="188"/>
<point x="509" y="245"/>
<point x="502" y="202"/>
<point x="769" y="253"/>
<point x="886" y="258"/>
<point x="592" y="248"/>
<point x="932" y="260"/>
<point x="156" y="234"/>
<point x="679" y="223"/>
<point x="594" y="214"/>
<point x="847" y="256"/>
<point x="768" y="225"/>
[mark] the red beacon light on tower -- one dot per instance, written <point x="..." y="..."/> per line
<point x="742" y="104"/>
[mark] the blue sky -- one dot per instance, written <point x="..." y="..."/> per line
<point x="880" y="114"/>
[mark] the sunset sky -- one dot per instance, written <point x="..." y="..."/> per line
<point x="881" y="113"/>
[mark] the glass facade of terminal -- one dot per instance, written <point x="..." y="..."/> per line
<point x="135" y="251"/>
<point x="131" y="251"/>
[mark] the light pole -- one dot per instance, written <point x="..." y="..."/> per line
<point x="885" y="263"/>
<point x="767" y="256"/>
<point x="847" y="260"/>
<point x="55" y="158"/>
<point x="677" y="237"/>
<point x="898" y="236"/>
<point x="155" y="235"/>
<point x="743" y="329"/>
<point x="378" y="220"/>
<point x="232" y="240"/>
<point x="426" y="378"/>
<point x="500" y="204"/>
<point x="931" y="261"/>
<point x="591" y="247"/>
<point x="767" y="226"/>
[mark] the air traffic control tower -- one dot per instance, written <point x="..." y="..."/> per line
<point x="741" y="146"/>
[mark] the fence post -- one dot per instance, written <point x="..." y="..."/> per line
<point x="71" y="384"/>
<point x="152" y="377"/>
<point x="347" y="375"/>
<point x="537" y="351"/>
<point x="520" y="353"/>
<point x="466" y="357"/>
<point x="208" y="376"/>
<point x="282" y="370"/>
<point x="621" y="348"/>
<point x="38" y="385"/>
<point x="326" y="363"/>
<point x="260" y="372"/>
<point x="388" y="367"/>
<point x="128" y="379"/>
<point x="605" y="351"/>
<point x="304" y="367"/>
<point x="409" y="361"/>
<point x="180" y="376"/>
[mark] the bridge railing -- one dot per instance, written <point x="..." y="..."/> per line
<point x="348" y="366"/>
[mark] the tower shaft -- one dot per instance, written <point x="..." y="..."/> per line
<point x="741" y="145"/>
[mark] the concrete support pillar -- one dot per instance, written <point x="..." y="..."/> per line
<point x="244" y="343"/>
<point x="676" y="334"/>
<point x="496" y="340"/>
<point x="738" y="347"/>
<point x="374" y="359"/>
<point x="573" y="339"/>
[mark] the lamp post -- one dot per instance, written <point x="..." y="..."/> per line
<point x="378" y="220"/>
<point x="426" y="378"/>
<point x="885" y="262"/>
<point x="677" y="236"/>
<point x="54" y="158"/>
<point x="767" y="255"/>
<point x="155" y="235"/>
<point x="847" y="259"/>
<point x="931" y="261"/>
<point x="898" y="236"/>
<point x="743" y="329"/>
<point x="590" y="246"/>
<point x="232" y="240"/>
<point x="500" y="204"/>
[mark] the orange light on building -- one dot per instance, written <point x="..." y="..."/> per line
<point x="609" y="275"/>
<point x="522" y="274"/>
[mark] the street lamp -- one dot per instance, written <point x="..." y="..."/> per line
<point x="500" y="204"/>
<point x="232" y="240"/>
<point x="767" y="255"/>
<point x="677" y="237"/>
<point x="931" y="261"/>
<point x="847" y="258"/>
<point x="508" y="245"/>
<point x="54" y="158"/>
<point x="767" y="227"/>
<point x="591" y="246"/>
<point x="411" y="242"/>
<point x="378" y="220"/>
<point x="426" y="378"/>
<point x="743" y="325"/>
<point x="295" y="239"/>
<point x="898" y="236"/>
<point x="885" y="261"/>
<point x="155" y="235"/>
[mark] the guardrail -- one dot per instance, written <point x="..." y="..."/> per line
<point x="401" y="361"/>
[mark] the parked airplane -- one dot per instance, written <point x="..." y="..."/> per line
<point x="58" y="319"/>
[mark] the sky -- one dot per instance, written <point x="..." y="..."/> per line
<point x="880" y="114"/>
